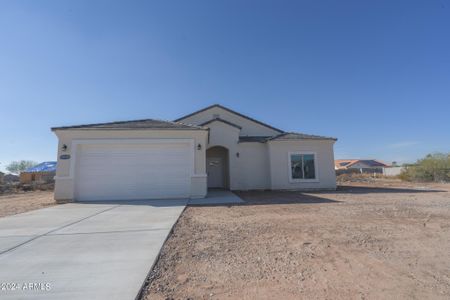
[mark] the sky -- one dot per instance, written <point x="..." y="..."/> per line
<point x="374" y="74"/>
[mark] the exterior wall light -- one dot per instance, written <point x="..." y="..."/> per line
<point x="199" y="147"/>
<point x="64" y="148"/>
<point x="237" y="154"/>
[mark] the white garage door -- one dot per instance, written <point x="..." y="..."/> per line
<point x="133" y="171"/>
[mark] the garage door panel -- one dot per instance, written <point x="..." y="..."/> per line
<point x="133" y="171"/>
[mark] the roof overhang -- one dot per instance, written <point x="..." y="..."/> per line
<point x="222" y="121"/>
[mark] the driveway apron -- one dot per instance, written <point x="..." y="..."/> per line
<point x="83" y="250"/>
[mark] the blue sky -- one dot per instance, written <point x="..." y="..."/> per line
<point x="374" y="74"/>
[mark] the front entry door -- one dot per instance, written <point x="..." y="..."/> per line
<point x="214" y="168"/>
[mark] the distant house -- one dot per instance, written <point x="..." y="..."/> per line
<point x="41" y="173"/>
<point x="10" y="178"/>
<point x="1" y="177"/>
<point x="343" y="166"/>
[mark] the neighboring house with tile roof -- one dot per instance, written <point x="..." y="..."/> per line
<point x="359" y="166"/>
<point x="215" y="147"/>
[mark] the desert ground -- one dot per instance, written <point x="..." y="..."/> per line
<point x="376" y="240"/>
<point x="22" y="202"/>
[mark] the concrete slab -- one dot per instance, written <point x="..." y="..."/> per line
<point x="105" y="255"/>
<point x="41" y="221"/>
<point x="143" y="215"/>
<point x="9" y="242"/>
<point x="217" y="197"/>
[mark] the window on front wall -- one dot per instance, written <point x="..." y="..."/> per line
<point x="303" y="166"/>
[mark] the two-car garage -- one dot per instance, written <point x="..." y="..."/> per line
<point x="145" y="170"/>
<point x="144" y="159"/>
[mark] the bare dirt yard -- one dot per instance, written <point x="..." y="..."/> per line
<point x="381" y="240"/>
<point x="18" y="203"/>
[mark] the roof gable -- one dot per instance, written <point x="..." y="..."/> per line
<point x="243" y="118"/>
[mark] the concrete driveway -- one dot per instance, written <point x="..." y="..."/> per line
<point x="83" y="250"/>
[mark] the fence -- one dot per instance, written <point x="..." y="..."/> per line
<point x="392" y="171"/>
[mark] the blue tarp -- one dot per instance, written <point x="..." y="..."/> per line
<point x="48" y="166"/>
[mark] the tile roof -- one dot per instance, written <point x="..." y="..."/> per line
<point x="343" y="163"/>
<point x="135" y="124"/>
<point x="258" y="139"/>
<point x="340" y="164"/>
<point x="287" y="136"/>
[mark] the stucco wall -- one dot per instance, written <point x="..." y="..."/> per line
<point x="280" y="169"/>
<point x="221" y="134"/>
<point x="254" y="166"/>
<point x="249" y="127"/>
<point x="251" y="169"/>
<point x="64" y="180"/>
<point x="265" y="165"/>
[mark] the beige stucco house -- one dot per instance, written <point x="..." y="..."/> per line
<point x="215" y="147"/>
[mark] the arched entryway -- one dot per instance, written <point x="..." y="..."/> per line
<point x="217" y="167"/>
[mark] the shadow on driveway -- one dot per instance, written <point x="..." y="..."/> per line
<point x="313" y="197"/>
<point x="374" y="190"/>
<point x="280" y="197"/>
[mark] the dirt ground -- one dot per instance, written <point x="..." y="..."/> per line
<point x="382" y="240"/>
<point x="18" y="203"/>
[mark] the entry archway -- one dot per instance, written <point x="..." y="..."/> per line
<point x="217" y="167"/>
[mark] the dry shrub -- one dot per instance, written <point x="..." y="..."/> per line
<point x="434" y="167"/>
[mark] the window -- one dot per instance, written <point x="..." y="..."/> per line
<point x="303" y="166"/>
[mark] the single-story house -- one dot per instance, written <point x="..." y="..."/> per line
<point x="41" y="173"/>
<point x="214" y="147"/>
<point x="343" y="166"/>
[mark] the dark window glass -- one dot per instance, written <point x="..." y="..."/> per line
<point x="302" y="166"/>
<point x="296" y="166"/>
<point x="308" y="166"/>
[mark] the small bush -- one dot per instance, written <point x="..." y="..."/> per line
<point x="434" y="167"/>
<point x="359" y="177"/>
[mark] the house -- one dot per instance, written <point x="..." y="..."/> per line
<point x="41" y="173"/>
<point x="10" y="178"/>
<point x="359" y="166"/>
<point x="215" y="147"/>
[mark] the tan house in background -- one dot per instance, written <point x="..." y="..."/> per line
<point x="215" y="147"/>
<point x="359" y="166"/>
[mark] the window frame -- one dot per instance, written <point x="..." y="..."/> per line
<point x="316" y="167"/>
